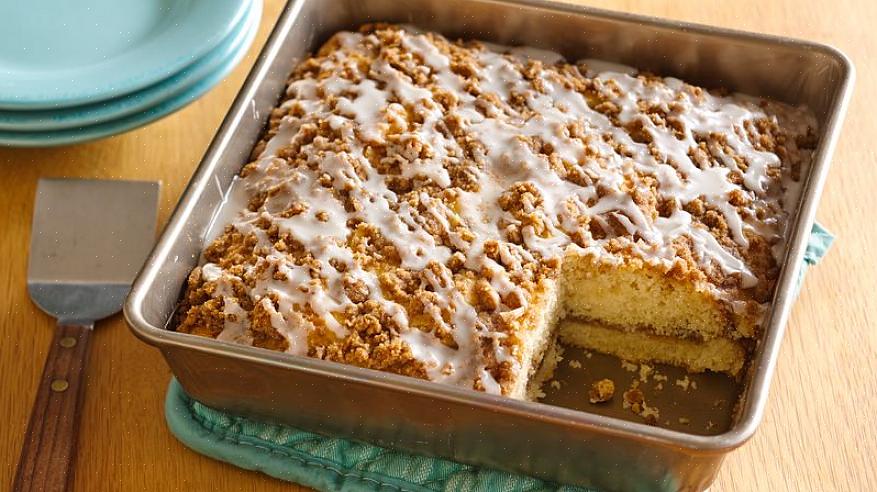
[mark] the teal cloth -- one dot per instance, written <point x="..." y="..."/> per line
<point x="327" y="463"/>
<point x="333" y="464"/>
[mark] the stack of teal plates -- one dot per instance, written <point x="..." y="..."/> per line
<point x="76" y="71"/>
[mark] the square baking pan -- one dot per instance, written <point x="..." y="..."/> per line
<point x="550" y="442"/>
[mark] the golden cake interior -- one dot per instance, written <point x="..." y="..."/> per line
<point x="433" y="208"/>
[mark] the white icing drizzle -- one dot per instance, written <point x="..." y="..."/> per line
<point x="382" y="101"/>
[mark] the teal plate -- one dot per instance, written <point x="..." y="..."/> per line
<point x="93" y="132"/>
<point x="90" y="114"/>
<point x="59" y="53"/>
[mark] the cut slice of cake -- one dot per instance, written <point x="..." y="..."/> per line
<point x="433" y="208"/>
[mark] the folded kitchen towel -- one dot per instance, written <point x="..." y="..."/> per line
<point x="817" y="246"/>
<point x="327" y="463"/>
<point x="334" y="464"/>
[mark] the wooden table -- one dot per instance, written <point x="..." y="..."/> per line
<point x="819" y="428"/>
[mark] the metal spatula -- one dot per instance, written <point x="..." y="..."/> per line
<point x="88" y="240"/>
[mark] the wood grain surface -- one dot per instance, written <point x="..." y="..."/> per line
<point x="819" y="428"/>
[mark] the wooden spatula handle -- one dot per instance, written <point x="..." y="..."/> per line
<point x="48" y="455"/>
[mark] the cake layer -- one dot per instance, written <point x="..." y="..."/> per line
<point x="413" y="200"/>
<point x="636" y="295"/>
<point x="552" y="357"/>
<point x="538" y="339"/>
<point x="718" y="354"/>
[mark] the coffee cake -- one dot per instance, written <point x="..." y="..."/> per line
<point x="432" y="208"/>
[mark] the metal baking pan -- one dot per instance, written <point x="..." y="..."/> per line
<point x="551" y="442"/>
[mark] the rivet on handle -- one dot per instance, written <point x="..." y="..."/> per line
<point x="67" y="342"/>
<point x="59" y="385"/>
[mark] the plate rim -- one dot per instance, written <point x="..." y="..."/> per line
<point x="66" y="118"/>
<point x="157" y="68"/>
<point x="114" y="127"/>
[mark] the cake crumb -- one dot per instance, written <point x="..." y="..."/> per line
<point x="588" y="355"/>
<point x="634" y="400"/>
<point x="710" y="425"/>
<point x="684" y="383"/>
<point x="575" y="364"/>
<point x="601" y="391"/>
<point x="650" y="414"/>
<point x="645" y="371"/>
<point x="659" y="377"/>
<point x="684" y="421"/>
<point x="555" y="384"/>
<point x="659" y="386"/>
<point x="633" y="397"/>
<point x="629" y="366"/>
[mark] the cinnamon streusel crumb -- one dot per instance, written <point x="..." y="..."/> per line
<point x="601" y="391"/>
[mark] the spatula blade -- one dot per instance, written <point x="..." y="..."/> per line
<point x="88" y="240"/>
